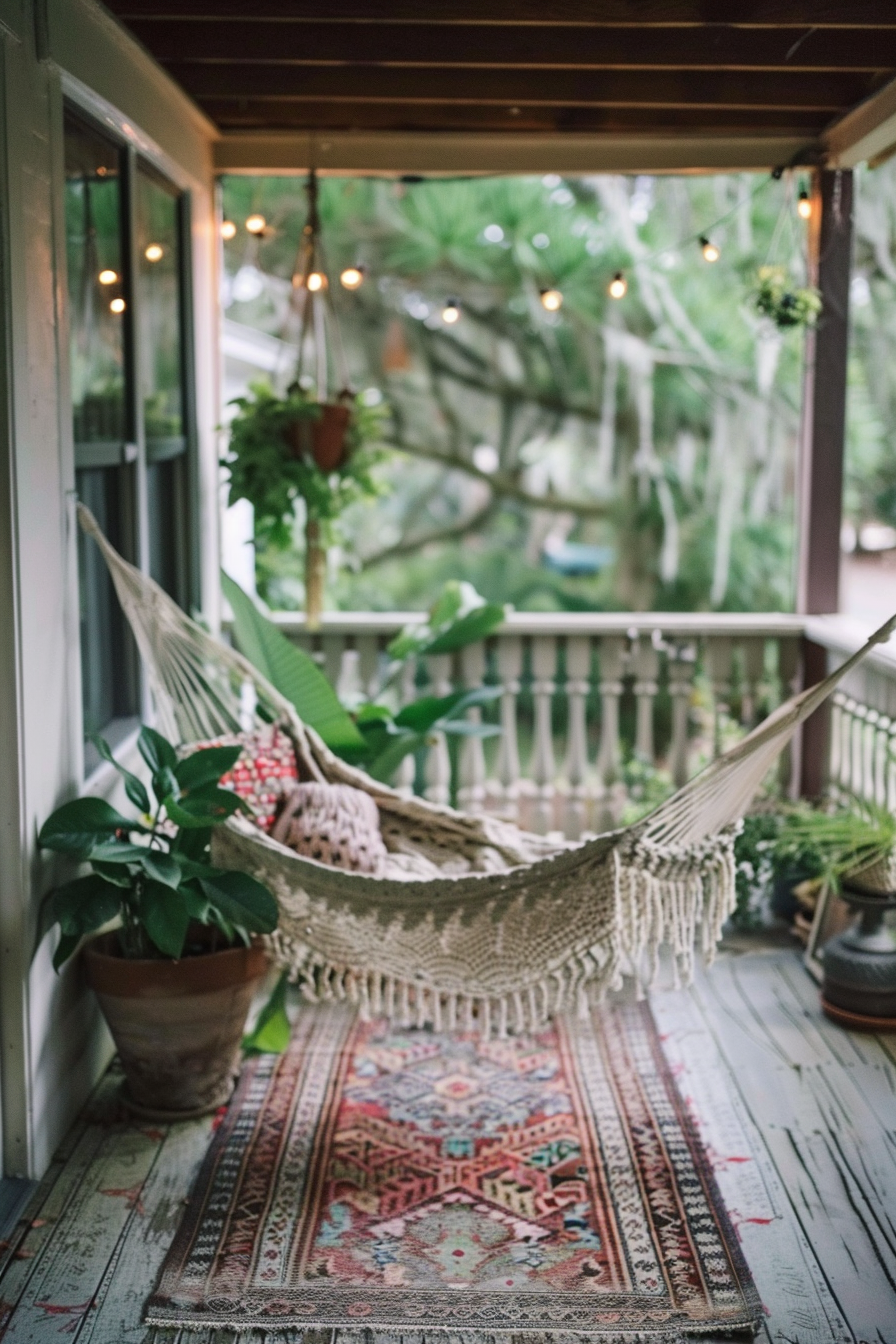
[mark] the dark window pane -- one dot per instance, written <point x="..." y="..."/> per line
<point x="158" y="314"/>
<point x="95" y="284"/>
<point x="110" y="689"/>
<point x="166" y="489"/>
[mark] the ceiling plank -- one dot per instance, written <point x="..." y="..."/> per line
<point x="825" y="93"/>
<point x="806" y="14"/>
<point x="582" y="47"/>
<point x="452" y="154"/>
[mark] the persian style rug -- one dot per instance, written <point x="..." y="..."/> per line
<point x="375" y="1182"/>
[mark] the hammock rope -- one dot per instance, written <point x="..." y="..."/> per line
<point x="472" y="919"/>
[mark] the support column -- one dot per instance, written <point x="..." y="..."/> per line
<point x="822" y="438"/>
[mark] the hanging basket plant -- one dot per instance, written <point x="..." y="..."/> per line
<point x="308" y="445"/>
<point x="778" y="297"/>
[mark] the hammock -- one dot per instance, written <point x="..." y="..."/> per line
<point x="473" y="919"/>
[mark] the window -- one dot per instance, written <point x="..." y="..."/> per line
<point x="130" y="403"/>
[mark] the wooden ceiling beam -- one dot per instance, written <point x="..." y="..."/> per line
<point x="866" y="132"/>
<point x="661" y="89"/>
<point x="454" y="153"/>
<point x="584" y="47"/>
<point x="248" y="113"/>
<point x="792" y="14"/>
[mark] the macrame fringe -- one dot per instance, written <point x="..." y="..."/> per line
<point x="662" y="896"/>
<point x="433" y="1335"/>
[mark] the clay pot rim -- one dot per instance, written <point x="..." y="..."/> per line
<point x="144" y="977"/>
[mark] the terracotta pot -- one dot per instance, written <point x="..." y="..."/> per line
<point x="177" y="1024"/>
<point x="324" y="438"/>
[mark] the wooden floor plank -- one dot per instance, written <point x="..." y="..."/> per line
<point x="796" y="1299"/>
<point x="835" y="1158"/>
<point x="116" y="1314"/>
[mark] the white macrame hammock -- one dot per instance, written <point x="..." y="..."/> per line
<point x="472" y="920"/>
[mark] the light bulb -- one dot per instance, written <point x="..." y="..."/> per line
<point x="352" y="277"/>
<point x="710" y="251"/>
<point x="315" y="281"/>
<point x="451" y="312"/>
<point x="804" y="206"/>
<point x="154" y="252"/>
<point x="256" y="223"/>
<point x="551" y="299"/>
<point x="107" y="277"/>
<point x="117" y="306"/>
<point x="228" y="229"/>
<point x="618" y="286"/>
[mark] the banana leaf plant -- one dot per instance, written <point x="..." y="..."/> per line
<point x="151" y="874"/>
<point x="370" y="734"/>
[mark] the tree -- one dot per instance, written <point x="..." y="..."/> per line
<point x="650" y="438"/>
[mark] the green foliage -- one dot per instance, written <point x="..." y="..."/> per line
<point x="373" y="736"/>
<point x="838" y="842"/>
<point x="156" y="885"/>
<point x="459" y="616"/>
<point x="755" y="868"/>
<point x="787" y="304"/>
<point x="291" y="672"/>
<point x="266" y="469"/>
<point x="270" y="1035"/>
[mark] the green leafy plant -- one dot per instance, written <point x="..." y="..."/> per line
<point x="152" y="875"/>
<point x="373" y="735"/>
<point x="787" y="304"/>
<point x="838" y="843"/>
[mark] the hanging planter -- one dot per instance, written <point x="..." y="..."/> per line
<point x="778" y="297"/>
<point x="324" y="436"/>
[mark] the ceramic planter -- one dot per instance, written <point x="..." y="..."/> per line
<point x="177" y="1024"/>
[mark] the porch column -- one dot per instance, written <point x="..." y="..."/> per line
<point x="820" y="497"/>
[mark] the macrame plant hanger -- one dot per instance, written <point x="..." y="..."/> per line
<point x="325" y="439"/>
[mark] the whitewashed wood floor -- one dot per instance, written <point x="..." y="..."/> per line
<point x="798" y="1115"/>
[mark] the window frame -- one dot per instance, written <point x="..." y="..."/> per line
<point x="136" y="151"/>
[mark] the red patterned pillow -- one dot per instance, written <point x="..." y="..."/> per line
<point x="266" y="766"/>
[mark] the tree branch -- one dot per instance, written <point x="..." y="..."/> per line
<point x="500" y="483"/>
<point x="448" y="533"/>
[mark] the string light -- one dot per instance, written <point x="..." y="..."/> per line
<point x="352" y="277"/>
<point x="804" y="205"/>
<point x="618" y="286"/>
<point x="551" y="300"/>
<point x="117" y="306"/>
<point x="709" y="249"/>
<point x="315" y="281"/>
<point x="228" y="229"/>
<point x="256" y="224"/>
<point x="154" y="252"/>
<point x="451" y="312"/>
<point x="107" y="277"/>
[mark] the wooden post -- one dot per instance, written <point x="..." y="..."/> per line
<point x="822" y="441"/>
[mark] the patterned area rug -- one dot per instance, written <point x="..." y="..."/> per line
<point x="376" y="1181"/>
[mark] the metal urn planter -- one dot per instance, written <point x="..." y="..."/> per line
<point x="859" y="986"/>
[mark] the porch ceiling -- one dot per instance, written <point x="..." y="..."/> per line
<point x="673" y="68"/>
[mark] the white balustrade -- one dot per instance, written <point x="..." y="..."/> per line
<point x="634" y="682"/>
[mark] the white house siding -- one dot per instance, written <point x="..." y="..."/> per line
<point x="53" y="1042"/>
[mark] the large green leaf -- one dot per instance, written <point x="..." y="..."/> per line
<point x="271" y="1033"/>
<point x="292" y="672"/>
<point x="77" y="826"/>
<point x="242" y="900"/>
<point x="81" y="907"/>
<point x="468" y="629"/>
<point x="206" y="766"/>
<point x="205" y="807"/>
<point x="133" y="787"/>
<point x="156" y="750"/>
<point x="164" y="915"/>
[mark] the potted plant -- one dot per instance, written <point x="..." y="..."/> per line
<point x="171" y="957"/>
<point x="291" y="448"/>
<point x="856" y="850"/>
<point x="778" y="297"/>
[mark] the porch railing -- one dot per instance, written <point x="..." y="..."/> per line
<point x="598" y="713"/>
